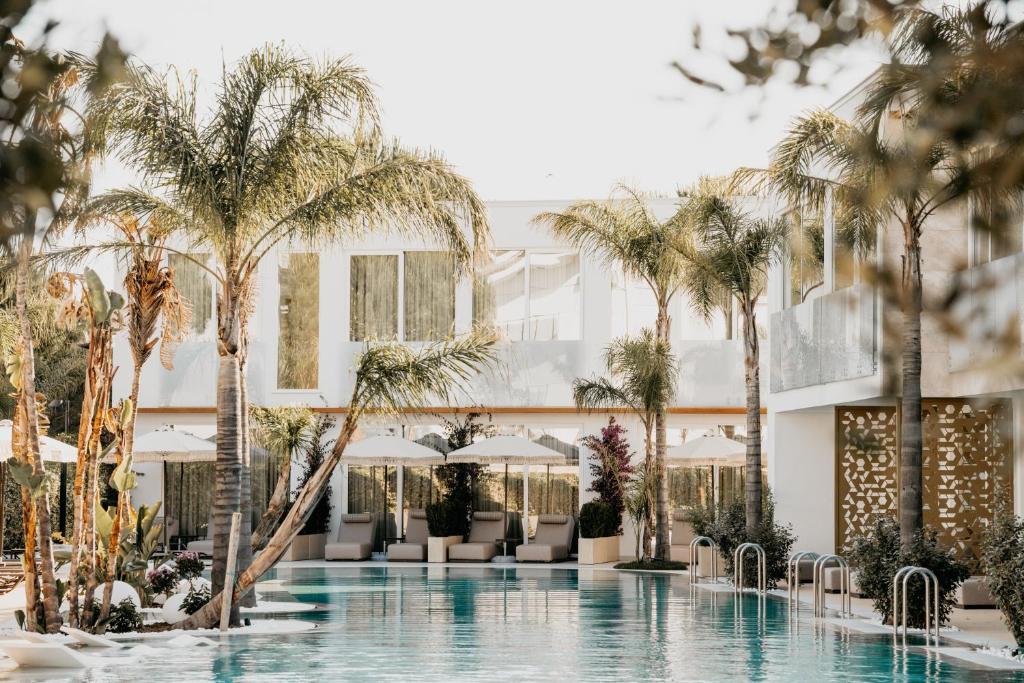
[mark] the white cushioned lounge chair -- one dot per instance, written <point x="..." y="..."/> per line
<point x="413" y="548"/>
<point x="682" y="534"/>
<point x="355" y="538"/>
<point x="551" y="542"/>
<point x="482" y="545"/>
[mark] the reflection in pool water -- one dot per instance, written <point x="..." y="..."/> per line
<point x="406" y="623"/>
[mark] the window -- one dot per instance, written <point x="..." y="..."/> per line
<point x="995" y="232"/>
<point x="529" y="296"/>
<point x="196" y="287"/>
<point x="429" y="300"/>
<point x="806" y="260"/>
<point x="408" y="296"/>
<point x="298" y="349"/>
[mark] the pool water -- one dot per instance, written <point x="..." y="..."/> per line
<point x="418" y="623"/>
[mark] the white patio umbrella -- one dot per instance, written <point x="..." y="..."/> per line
<point x="166" y="444"/>
<point x="507" y="450"/>
<point x="51" y="450"/>
<point x="708" y="451"/>
<point x="390" y="450"/>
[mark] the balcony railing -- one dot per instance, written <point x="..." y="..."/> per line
<point x="829" y="339"/>
<point x="989" y="314"/>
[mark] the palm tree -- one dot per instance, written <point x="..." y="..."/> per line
<point x="290" y="152"/>
<point x="389" y="377"/>
<point x="641" y="377"/>
<point x="625" y="233"/>
<point x="731" y="255"/>
<point x="879" y="171"/>
<point x="282" y="431"/>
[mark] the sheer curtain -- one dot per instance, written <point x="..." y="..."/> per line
<point x="499" y="294"/>
<point x="554" y="296"/>
<point x="429" y="295"/>
<point x="298" y="349"/>
<point x="195" y="285"/>
<point x="373" y="297"/>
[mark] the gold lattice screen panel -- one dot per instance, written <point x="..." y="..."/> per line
<point x="967" y="463"/>
<point x="866" y="468"/>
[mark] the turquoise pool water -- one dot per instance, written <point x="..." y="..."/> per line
<point x="415" y="623"/>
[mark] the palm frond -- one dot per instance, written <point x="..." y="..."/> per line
<point x="599" y="392"/>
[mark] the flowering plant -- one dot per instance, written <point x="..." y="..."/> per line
<point x="189" y="565"/>
<point x="163" y="580"/>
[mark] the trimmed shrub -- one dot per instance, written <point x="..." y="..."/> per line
<point x="727" y="527"/>
<point x="163" y="580"/>
<point x="877" y="556"/>
<point x="1002" y="560"/>
<point x="124" y="617"/>
<point x="189" y="565"/>
<point x="447" y="518"/>
<point x="195" y="599"/>
<point x="598" y="519"/>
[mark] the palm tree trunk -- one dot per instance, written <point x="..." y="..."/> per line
<point x="245" y="507"/>
<point x="752" y="375"/>
<point x="661" y="523"/>
<point x="275" y="507"/>
<point x="48" y="580"/>
<point x="649" y="457"/>
<point x="114" y="541"/>
<point x="28" y="524"/>
<point x="228" y="481"/>
<point x="911" y="503"/>
<point x="290" y="527"/>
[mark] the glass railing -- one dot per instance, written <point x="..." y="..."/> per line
<point x="988" y="314"/>
<point x="829" y="339"/>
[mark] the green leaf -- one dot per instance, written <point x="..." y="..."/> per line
<point x="24" y="474"/>
<point x="104" y="524"/>
<point x="99" y="301"/>
<point x="116" y="301"/>
<point x="123" y="478"/>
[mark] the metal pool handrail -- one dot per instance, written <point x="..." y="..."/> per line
<point x="931" y="587"/>
<point x="793" y="577"/>
<point x="737" y="567"/>
<point x="845" y="599"/>
<point x="696" y="543"/>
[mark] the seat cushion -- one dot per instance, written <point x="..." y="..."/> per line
<point x="407" y="552"/>
<point x="347" y="551"/>
<point x="974" y="593"/>
<point x="203" y="546"/>
<point x="541" y="552"/>
<point x="479" y="552"/>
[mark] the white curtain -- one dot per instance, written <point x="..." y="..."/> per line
<point x="429" y="295"/>
<point x="373" y="297"/>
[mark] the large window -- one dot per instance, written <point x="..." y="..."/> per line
<point x="995" y="232"/>
<point x="195" y="285"/>
<point x="298" y="347"/>
<point x="806" y="259"/>
<point x="529" y="296"/>
<point x="408" y="296"/>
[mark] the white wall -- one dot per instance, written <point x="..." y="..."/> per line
<point x="802" y="475"/>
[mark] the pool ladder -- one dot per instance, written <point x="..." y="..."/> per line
<point x="931" y="589"/>
<point x="821" y="562"/>
<point x="737" y="567"/>
<point x="694" y="545"/>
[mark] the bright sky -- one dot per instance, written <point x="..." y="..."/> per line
<point x="531" y="99"/>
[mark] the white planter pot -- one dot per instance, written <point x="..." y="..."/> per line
<point x="599" y="550"/>
<point x="437" y="547"/>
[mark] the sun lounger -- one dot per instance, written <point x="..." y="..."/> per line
<point x="90" y="639"/>
<point x="355" y="538"/>
<point x="49" y="655"/>
<point x="551" y="542"/>
<point x="682" y="534"/>
<point x="484" y="532"/>
<point x="414" y="545"/>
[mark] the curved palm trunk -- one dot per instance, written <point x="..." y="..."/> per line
<point x="275" y="507"/>
<point x="290" y="527"/>
<point x="28" y="517"/>
<point x="48" y="580"/>
<point x="245" y="507"/>
<point x="911" y="503"/>
<point x="752" y="375"/>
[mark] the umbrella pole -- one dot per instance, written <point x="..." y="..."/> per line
<point x="384" y="507"/>
<point x="181" y="500"/>
<point x="504" y="530"/>
<point x="63" y="502"/>
<point x="547" y="494"/>
<point x="714" y="484"/>
<point x="3" y="510"/>
<point x="163" y="495"/>
<point x="430" y="486"/>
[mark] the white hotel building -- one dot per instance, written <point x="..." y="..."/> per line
<point x="558" y="310"/>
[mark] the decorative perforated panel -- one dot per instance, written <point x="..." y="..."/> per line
<point x="867" y="445"/>
<point x="967" y="462"/>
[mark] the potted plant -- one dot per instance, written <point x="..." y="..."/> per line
<point x="446" y="522"/>
<point x="311" y="541"/>
<point x="599" y="533"/>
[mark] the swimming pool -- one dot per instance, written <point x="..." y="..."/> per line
<point x="419" y="623"/>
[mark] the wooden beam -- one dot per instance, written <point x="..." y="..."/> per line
<point x="494" y="410"/>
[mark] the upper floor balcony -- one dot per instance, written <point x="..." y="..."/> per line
<point x="828" y="339"/>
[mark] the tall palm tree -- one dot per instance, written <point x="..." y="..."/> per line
<point x="291" y="151"/>
<point x="731" y="255"/>
<point x="282" y="431"/>
<point x="641" y="377"/>
<point x="389" y="377"/>
<point x="625" y="233"/>
<point x="879" y="172"/>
